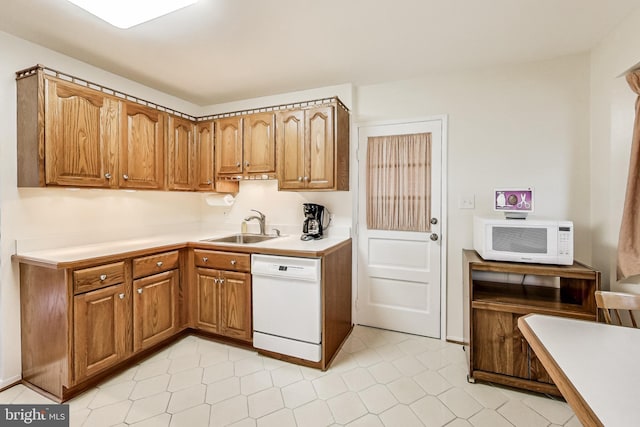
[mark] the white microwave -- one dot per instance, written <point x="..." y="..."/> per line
<point x="524" y="240"/>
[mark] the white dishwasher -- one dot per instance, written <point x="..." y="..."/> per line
<point x="286" y="305"/>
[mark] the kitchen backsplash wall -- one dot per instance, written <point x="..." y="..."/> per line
<point x="283" y="209"/>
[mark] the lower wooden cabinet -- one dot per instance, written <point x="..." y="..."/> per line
<point x="99" y="329"/>
<point x="83" y="320"/>
<point x="155" y="302"/>
<point x="223" y="302"/>
<point x="80" y="321"/>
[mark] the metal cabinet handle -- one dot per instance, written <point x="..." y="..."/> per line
<point x="433" y="237"/>
<point x="234" y="262"/>
<point x="205" y="259"/>
<point x="121" y="296"/>
<point x="306" y="178"/>
<point x="107" y="175"/>
<point x="299" y="178"/>
<point x="139" y="290"/>
<point x="221" y="281"/>
<point x="125" y="176"/>
<point x="434" y="221"/>
<point x="159" y="263"/>
<point x="216" y="281"/>
<point x="209" y="182"/>
<point x="238" y="164"/>
<point x="103" y="277"/>
<point x="246" y="164"/>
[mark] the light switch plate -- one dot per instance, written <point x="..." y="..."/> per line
<point x="467" y="201"/>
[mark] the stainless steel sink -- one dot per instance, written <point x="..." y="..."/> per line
<point x="242" y="239"/>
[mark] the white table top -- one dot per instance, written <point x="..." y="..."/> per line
<point x="601" y="361"/>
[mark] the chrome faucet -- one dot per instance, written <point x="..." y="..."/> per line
<point x="261" y="218"/>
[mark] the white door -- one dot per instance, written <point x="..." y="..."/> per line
<point x="399" y="272"/>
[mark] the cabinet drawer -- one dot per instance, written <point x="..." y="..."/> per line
<point x="223" y="260"/>
<point x="152" y="264"/>
<point x="98" y="277"/>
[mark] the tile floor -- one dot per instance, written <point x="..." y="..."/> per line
<point x="380" y="378"/>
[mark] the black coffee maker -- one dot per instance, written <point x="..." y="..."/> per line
<point x="313" y="225"/>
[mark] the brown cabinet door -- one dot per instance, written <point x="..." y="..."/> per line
<point x="207" y="289"/>
<point x="204" y="162"/>
<point x="141" y="155"/>
<point x="155" y="301"/>
<point x="290" y="145"/>
<point x="319" y="159"/>
<point x="81" y="134"/>
<point x="181" y="154"/>
<point x="99" y="328"/>
<point x="259" y="143"/>
<point x="536" y="370"/>
<point x="229" y="146"/>
<point x="498" y="345"/>
<point x="235" y="301"/>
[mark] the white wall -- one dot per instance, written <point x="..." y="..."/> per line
<point x="517" y="125"/>
<point x="612" y="115"/>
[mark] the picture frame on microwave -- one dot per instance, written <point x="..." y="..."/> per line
<point x="513" y="200"/>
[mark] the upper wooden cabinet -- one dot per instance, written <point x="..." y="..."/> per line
<point x="259" y="144"/>
<point x="313" y="148"/>
<point x="181" y="154"/>
<point x="205" y="157"/>
<point x="142" y="134"/>
<point x="229" y="146"/>
<point x="81" y="130"/>
<point x="246" y="145"/>
<point x="72" y="135"/>
<point x="75" y="133"/>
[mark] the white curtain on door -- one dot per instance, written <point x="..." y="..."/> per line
<point x="399" y="182"/>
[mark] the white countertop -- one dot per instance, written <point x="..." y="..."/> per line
<point x="71" y="254"/>
<point x="601" y="362"/>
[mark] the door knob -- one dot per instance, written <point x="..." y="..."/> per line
<point x="433" y="237"/>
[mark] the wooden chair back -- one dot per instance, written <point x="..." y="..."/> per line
<point x="618" y="304"/>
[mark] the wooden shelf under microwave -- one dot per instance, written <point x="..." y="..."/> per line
<point x="496" y="351"/>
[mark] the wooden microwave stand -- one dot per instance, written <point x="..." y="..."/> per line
<point x="496" y="350"/>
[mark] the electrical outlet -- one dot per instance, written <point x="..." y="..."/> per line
<point x="467" y="201"/>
